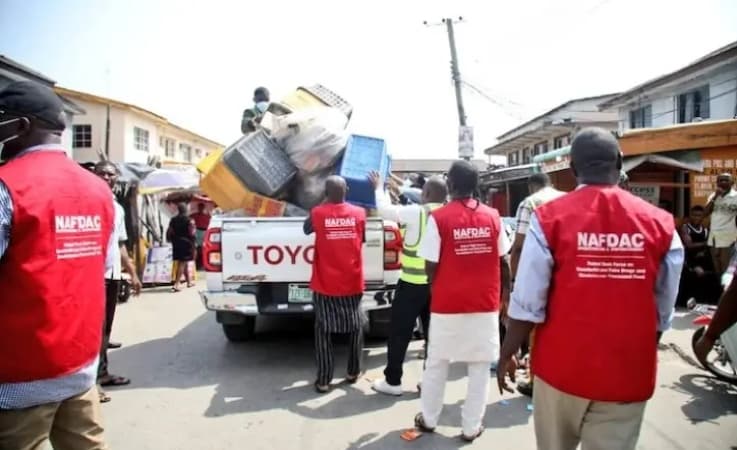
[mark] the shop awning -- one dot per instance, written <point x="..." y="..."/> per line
<point x="558" y="159"/>
<point x="686" y="160"/>
<point x="552" y="156"/>
<point x="509" y="173"/>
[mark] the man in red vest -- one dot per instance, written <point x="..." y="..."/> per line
<point x="337" y="279"/>
<point x="465" y="250"/>
<point x="55" y="234"/>
<point x="598" y="277"/>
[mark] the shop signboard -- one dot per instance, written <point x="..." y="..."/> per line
<point x="704" y="184"/>
<point x="648" y="192"/>
<point x="554" y="165"/>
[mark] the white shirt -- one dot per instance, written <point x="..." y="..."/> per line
<point x="119" y="236"/>
<point x="406" y="215"/>
<point x="471" y="337"/>
<point x="723" y="227"/>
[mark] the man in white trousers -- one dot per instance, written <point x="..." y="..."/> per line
<point x="465" y="251"/>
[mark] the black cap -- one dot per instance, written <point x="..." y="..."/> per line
<point x="33" y="100"/>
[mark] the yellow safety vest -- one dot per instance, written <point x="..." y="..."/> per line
<point x="413" y="267"/>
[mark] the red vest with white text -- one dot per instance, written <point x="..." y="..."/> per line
<point x="337" y="269"/>
<point x="598" y="340"/>
<point x="468" y="274"/>
<point x="52" y="291"/>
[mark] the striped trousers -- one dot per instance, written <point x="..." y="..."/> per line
<point x="337" y="315"/>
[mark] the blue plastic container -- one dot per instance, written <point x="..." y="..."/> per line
<point x="362" y="155"/>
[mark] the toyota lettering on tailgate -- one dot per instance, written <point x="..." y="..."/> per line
<point x="278" y="254"/>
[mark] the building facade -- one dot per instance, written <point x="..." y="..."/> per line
<point x="704" y="90"/>
<point x="128" y="133"/>
<point x="543" y="143"/>
<point x="552" y="130"/>
<point x="428" y="167"/>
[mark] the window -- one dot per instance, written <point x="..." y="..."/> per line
<point x="185" y="152"/>
<point x="693" y="104"/>
<point x="641" y="117"/>
<point x="169" y="148"/>
<point x="561" y="141"/>
<point x="140" y="139"/>
<point x="82" y="136"/>
<point x="540" y="148"/>
<point x="198" y="153"/>
<point x="526" y="155"/>
<point x="512" y="158"/>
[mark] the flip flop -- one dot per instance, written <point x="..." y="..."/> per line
<point x="352" y="379"/>
<point x="104" y="398"/>
<point x="114" y="380"/>
<point x="420" y="428"/>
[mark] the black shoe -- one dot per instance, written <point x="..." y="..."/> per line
<point x="114" y="345"/>
<point x="525" y="389"/>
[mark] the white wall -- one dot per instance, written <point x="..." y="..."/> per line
<point x="722" y="92"/>
<point x="122" y="123"/>
<point x="96" y="116"/>
<point x="131" y="154"/>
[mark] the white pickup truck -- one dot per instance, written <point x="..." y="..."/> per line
<point x="262" y="266"/>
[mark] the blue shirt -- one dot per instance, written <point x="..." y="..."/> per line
<point x="33" y="393"/>
<point x="529" y="299"/>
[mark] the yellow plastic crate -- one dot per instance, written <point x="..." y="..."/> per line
<point x="209" y="161"/>
<point x="301" y="99"/>
<point x="223" y="187"/>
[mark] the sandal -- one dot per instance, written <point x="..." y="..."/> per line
<point x="189" y="285"/>
<point x="352" y="379"/>
<point x="114" y="380"/>
<point x="420" y="424"/>
<point x="474" y="437"/>
<point x="321" y="389"/>
<point x="174" y="289"/>
<point x="419" y="429"/>
<point x="104" y="398"/>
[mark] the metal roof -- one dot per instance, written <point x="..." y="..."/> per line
<point x="728" y="51"/>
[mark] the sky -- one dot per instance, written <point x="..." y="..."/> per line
<point x="197" y="62"/>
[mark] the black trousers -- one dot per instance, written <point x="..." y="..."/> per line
<point x="410" y="302"/>
<point x="112" y="291"/>
<point x="337" y="315"/>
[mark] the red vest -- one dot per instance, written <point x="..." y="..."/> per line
<point x="337" y="269"/>
<point x="598" y="339"/>
<point x="468" y="275"/>
<point x="52" y="274"/>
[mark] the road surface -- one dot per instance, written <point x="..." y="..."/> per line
<point x="192" y="389"/>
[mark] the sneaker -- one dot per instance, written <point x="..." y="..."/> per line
<point x="382" y="387"/>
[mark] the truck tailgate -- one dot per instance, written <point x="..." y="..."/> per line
<point x="275" y="250"/>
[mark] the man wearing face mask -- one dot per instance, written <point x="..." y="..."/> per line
<point x="252" y="116"/>
<point x="56" y="221"/>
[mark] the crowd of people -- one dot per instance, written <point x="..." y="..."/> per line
<point x="593" y="272"/>
<point x="591" y="287"/>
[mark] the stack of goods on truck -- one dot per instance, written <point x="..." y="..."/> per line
<point x="279" y="170"/>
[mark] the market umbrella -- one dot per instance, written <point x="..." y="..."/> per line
<point x="161" y="180"/>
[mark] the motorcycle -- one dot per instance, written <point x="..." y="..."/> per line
<point x="720" y="361"/>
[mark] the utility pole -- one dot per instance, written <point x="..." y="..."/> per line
<point x="454" y="70"/>
<point x="465" y="133"/>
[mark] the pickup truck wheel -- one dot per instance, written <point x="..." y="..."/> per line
<point x="240" y="332"/>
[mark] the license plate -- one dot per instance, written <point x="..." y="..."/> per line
<point x="299" y="294"/>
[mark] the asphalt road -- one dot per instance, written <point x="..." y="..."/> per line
<point x="192" y="389"/>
